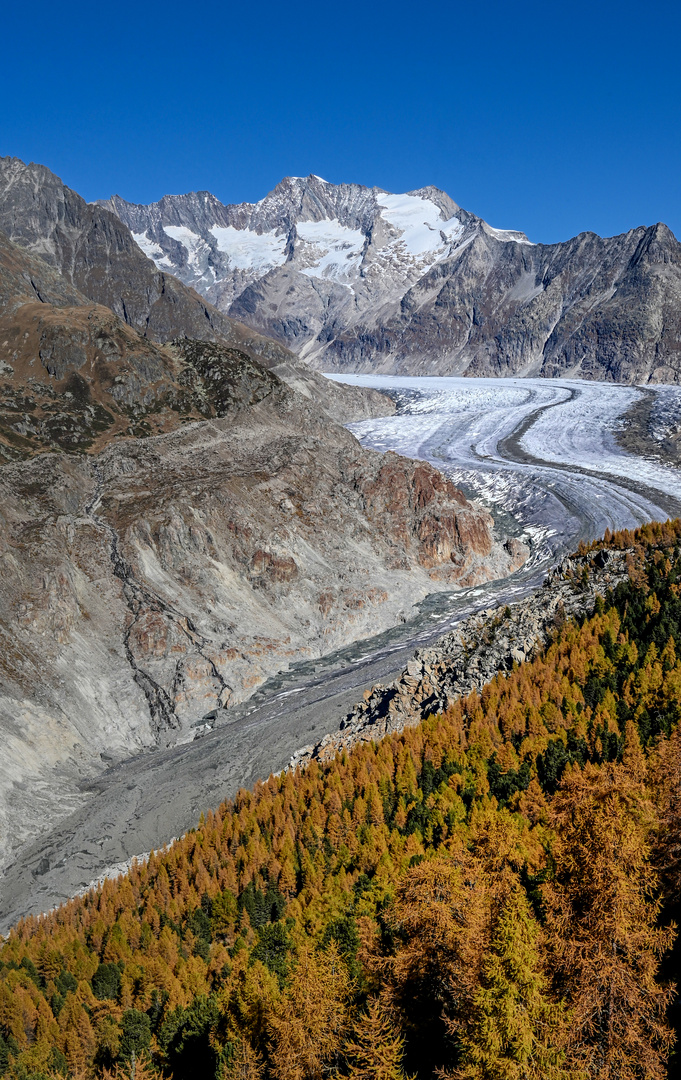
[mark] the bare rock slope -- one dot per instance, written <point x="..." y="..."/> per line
<point x="147" y="586"/>
<point x="73" y="376"/>
<point x="358" y="279"/>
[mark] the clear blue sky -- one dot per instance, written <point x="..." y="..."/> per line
<point x="549" y="117"/>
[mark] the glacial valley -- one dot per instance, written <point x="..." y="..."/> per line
<point x="542" y="457"/>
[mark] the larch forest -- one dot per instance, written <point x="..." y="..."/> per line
<point x="491" y="895"/>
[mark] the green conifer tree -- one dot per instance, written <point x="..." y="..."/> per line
<point x="514" y="1029"/>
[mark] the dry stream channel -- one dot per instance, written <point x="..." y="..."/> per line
<point x="545" y="456"/>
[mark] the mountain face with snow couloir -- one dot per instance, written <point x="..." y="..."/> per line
<point x="358" y="279"/>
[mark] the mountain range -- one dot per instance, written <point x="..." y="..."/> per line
<point x="358" y="279"/>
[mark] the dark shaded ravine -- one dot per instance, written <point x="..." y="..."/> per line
<point x="144" y="802"/>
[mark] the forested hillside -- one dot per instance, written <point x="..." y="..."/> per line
<point x="489" y="895"/>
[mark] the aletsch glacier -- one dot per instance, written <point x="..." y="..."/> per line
<point x="545" y="451"/>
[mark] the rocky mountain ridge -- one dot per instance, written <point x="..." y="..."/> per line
<point x="358" y="279"/>
<point x="97" y="261"/>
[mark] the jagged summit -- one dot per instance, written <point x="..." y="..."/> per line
<point x="361" y="221"/>
<point x="359" y="279"/>
<point x="320" y="255"/>
<point x="339" y="234"/>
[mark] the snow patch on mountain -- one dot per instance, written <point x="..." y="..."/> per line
<point x="356" y="278"/>
<point x="509" y="235"/>
<point x="420" y="223"/>
<point x="250" y="250"/>
<point x="336" y="249"/>
<point x="363" y="249"/>
<point x="198" y="251"/>
<point x="184" y="236"/>
<point x="152" y="250"/>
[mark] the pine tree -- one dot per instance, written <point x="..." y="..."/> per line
<point x="245" y="1063"/>
<point x="441" y="924"/>
<point x="514" y="1030"/>
<point x="138" y="1068"/>
<point x="376" y="1051"/>
<point x="666" y="771"/>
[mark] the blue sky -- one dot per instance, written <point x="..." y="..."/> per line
<point x="549" y="117"/>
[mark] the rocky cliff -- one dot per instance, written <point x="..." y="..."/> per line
<point x="73" y="376"/>
<point x="147" y="586"/>
<point x="94" y="252"/>
<point x="358" y="279"/>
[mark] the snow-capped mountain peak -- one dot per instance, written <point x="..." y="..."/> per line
<point x="317" y="255"/>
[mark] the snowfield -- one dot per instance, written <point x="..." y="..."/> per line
<point x="336" y="250"/>
<point x="152" y="250"/>
<point x="420" y="224"/>
<point x="249" y="250"/>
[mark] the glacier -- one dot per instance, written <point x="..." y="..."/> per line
<point x="544" y="451"/>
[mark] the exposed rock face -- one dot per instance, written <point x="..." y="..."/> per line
<point x="94" y="252"/>
<point x="26" y="280"/>
<point x="357" y="279"/>
<point x="468" y="657"/>
<point x="144" y="587"/>
<point x="589" y="308"/>
<point x="303" y="255"/>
